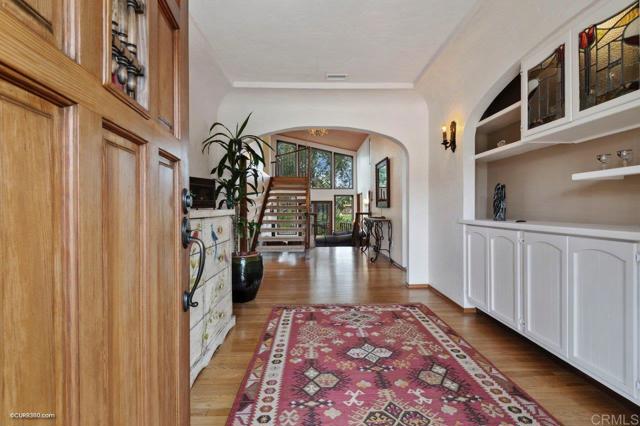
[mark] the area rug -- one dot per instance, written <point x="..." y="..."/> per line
<point x="374" y="365"/>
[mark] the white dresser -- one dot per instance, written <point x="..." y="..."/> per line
<point x="212" y="319"/>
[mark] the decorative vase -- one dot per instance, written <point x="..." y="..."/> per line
<point x="499" y="202"/>
<point x="246" y="276"/>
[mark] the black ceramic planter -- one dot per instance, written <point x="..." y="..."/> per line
<point x="246" y="276"/>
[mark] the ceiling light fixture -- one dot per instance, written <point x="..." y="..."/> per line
<point x="318" y="132"/>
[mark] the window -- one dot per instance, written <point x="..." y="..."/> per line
<point x="546" y="90"/>
<point x="286" y="159"/>
<point x="609" y="58"/>
<point x="344" y="213"/>
<point x="320" y="169"/>
<point x="302" y="160"/>
<point x="343" y="171"/>
<point x="323" y="220"/>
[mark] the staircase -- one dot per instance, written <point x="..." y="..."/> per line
<point x="284" y="222"/>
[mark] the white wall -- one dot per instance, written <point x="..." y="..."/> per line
<point x="398" y="115"/>
<point x="459" y="85"/>
<point x="374" y="149"/>
<point x="207" y="87"/>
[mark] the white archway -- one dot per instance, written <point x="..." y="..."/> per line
<point x="401" y="116"/>
<point x="405" y="183"/>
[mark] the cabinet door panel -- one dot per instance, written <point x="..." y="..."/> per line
<point x="504" y="270"/>
<point x="602" y="302"/>
<point x="476" y="242"/>
<point x="545" y="287"/>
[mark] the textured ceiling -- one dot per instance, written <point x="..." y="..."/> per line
<point x="290" y="43"/>
<point x="337" y="138"/>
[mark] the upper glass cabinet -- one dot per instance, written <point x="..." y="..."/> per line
<point x="545" y="94"/>
<point x="545" y="89"/>
<point x="609" y="58"/>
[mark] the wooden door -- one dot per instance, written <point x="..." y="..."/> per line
<point x="545" y="290"/>
<point x="91" y="171"/>
<point x="504" y="275"/>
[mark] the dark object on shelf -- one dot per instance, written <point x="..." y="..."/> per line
<point x="246" y="276"/>
<point x="203" y="191"/>
<point x="374" y="227"/>
<point x="383" y="184"/>
<point x="520" y="221"/>
<point x="509" y="96"/>
<point x="499" y="202"/>
<point x="451" y="142"/>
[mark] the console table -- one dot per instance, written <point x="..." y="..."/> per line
<point x="374" y="227"/>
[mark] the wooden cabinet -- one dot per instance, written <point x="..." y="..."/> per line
<point x="544" y="290"/>
<point x="476" y="253"/>
<point x="504" y="275"/>
<point x="603" y="310"/>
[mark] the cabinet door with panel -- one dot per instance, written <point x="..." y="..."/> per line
<point x="603" y="308"/>
<point x="476" y="268"/>
<point x="545" y="290"/>
<point x="504" y="275"/>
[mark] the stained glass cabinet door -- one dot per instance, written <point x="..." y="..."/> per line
<point x="606" y="71"/>
<point x="546" y="94"/>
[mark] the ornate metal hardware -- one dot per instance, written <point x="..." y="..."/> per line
<point x="187" y="240"/>
<point x="187" y="201"/>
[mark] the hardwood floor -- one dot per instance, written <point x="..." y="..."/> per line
<point x="342" y="275"/>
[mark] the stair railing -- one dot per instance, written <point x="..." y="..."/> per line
<point x="265" y="201"/>
<point x="285" y="160"/>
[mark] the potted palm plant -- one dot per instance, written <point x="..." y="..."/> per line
<point x="236" y="177"/>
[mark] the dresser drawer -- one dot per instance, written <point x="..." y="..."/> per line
<point x="195" y="343"/>
<point x="218" y="317"/>
<point x="218" y="258"/>
<point x="196" y="313"/>
<point x="216" y="288"/>
<point x="216" y="227"/>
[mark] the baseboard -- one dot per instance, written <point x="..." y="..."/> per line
<point x="444" y="296"/>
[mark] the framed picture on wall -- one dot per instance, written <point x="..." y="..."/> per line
<point x="383" y="184"/>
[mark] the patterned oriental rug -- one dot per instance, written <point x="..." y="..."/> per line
<point x="374" y="365"/>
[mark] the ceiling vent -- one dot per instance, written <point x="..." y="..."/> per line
<point x="337" y="76"/>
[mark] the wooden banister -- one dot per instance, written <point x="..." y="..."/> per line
<point x="265" y="200"/>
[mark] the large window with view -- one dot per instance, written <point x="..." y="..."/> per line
<point x="343" y="171"/>
<point x="343" y="213"/>
<point x="286" y="162"/>
<point x="321" y="169"/>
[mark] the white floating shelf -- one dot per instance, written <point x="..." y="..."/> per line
<point x="509" y="150"/>
<point x="500" y="119"/>
<point x="607" y="174"/>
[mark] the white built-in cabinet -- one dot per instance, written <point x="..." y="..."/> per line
<point x="477" y="272"/>
<point x="544" y="291"/>
<point x="575" y="296"/>
<point x="603" y="309"/>
<point x="504" y="275"/>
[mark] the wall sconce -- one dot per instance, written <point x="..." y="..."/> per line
<point x="451" y="143"/>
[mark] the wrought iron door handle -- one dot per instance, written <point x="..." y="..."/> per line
<point x="187" y="240"/>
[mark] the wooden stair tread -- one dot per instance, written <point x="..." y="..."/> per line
<point x="284" y="221"/>
<point x="283" y="238"/>
<point x="296" y="248"/>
